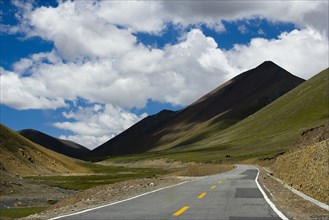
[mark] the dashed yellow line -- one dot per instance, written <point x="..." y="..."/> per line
<point x="201" y="195"/>
<point x="219" y="181"/>
<point x="213" y="187"/>
<point x="179" y="212"/>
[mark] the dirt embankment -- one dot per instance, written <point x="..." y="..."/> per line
<point x="306" y="167"/>
<point x="291" y="204"/>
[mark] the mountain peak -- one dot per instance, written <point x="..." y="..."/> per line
<point x="265" y="73"/>
<point x="226" y="105"/>
<point x="268" y="65"/>
<point x="269" y="62"/>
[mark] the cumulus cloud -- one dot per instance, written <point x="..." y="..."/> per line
<point x="142" y="16"/>
<point x="178" y="74"/>
<point x="96" y="57"/>
<point x="76" y="32"/>
<point x="26" y="93"/>
<point x="302" y="52"/>
<point x="92" y="126"/>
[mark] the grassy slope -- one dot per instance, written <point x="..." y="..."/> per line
<point x="21" y="156"/>
<point x="15" y="213"/>
<point x="226" y="105"/>
<point x="276" y="127"/>
<point x="102" y="175"/>
<point x="269" y="131"/>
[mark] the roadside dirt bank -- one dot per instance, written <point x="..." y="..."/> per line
<point x="306" y="169"/>
<point x="306" y="166"/>
<point x="292" y="205"/>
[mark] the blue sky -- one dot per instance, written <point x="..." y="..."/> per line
<point x="88" y="70"/>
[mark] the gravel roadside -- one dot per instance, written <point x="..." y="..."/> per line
<point x="292" y="205"/>
<point x="106" y="194"/>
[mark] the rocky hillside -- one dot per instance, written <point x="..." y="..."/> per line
<point x="305" y="167"/>
<point x="22" y="157"/>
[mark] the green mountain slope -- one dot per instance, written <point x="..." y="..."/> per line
<point x="221" y="108"/>
<point x="270" y="131"/>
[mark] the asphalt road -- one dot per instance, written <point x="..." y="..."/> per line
<point x="233" y="196"/>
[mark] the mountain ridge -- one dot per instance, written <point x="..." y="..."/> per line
<point x="229" y="103"/>
<point x="65" y="147"/>
<point x="270" y="131"/>
<point x="20" y="156"/>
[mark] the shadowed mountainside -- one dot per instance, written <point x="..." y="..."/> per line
<point x="65" y="147"/>
<point x="267" y="133"/>
<point x="226" y="105"/>
<point x="20" y="156"/>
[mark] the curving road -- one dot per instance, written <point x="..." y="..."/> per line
<point x="234" y="195"/>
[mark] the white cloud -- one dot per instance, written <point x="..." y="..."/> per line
<point x="97" y="58"/>
<point x="77" y="32"/>
<point x="94" y="125"/>
<point x="89" y="141"/>
<point x="144" y="16"/>
<point x="178" y="74"/>
<point x="303" y="53"/>
<point x="26" y="93"/>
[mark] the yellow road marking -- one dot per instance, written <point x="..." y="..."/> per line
<point x="219" y="181"/>
<point x="201" y="195"/>
<point x="179" y="212"/>
<point x="212" y="187"/>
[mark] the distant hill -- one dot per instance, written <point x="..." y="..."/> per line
<point x="65" y="147"/>
<point x="22" y="157"/>
<point x="223" y="107"/>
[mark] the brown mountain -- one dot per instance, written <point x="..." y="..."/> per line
<point x="22" y="157"/>
<point x="224" y="106"/>
<point x="65" y="147"/>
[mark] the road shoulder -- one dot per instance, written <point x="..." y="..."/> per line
<point x="292" y="205"/>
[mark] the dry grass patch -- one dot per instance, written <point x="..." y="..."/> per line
<point x="203" y="169"/>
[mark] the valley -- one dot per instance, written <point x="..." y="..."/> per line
<point x="267" y="122"/>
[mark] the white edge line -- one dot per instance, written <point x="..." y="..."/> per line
<point x="102" y="206"/>
<point x="280" y="214"/>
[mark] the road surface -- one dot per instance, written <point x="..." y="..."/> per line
<point x="231" y="196"/>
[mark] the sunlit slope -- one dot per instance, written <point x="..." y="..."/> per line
<point x="219" y="109"/>
<point x="21" y="156"/>
<point x="271" y="130"/>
